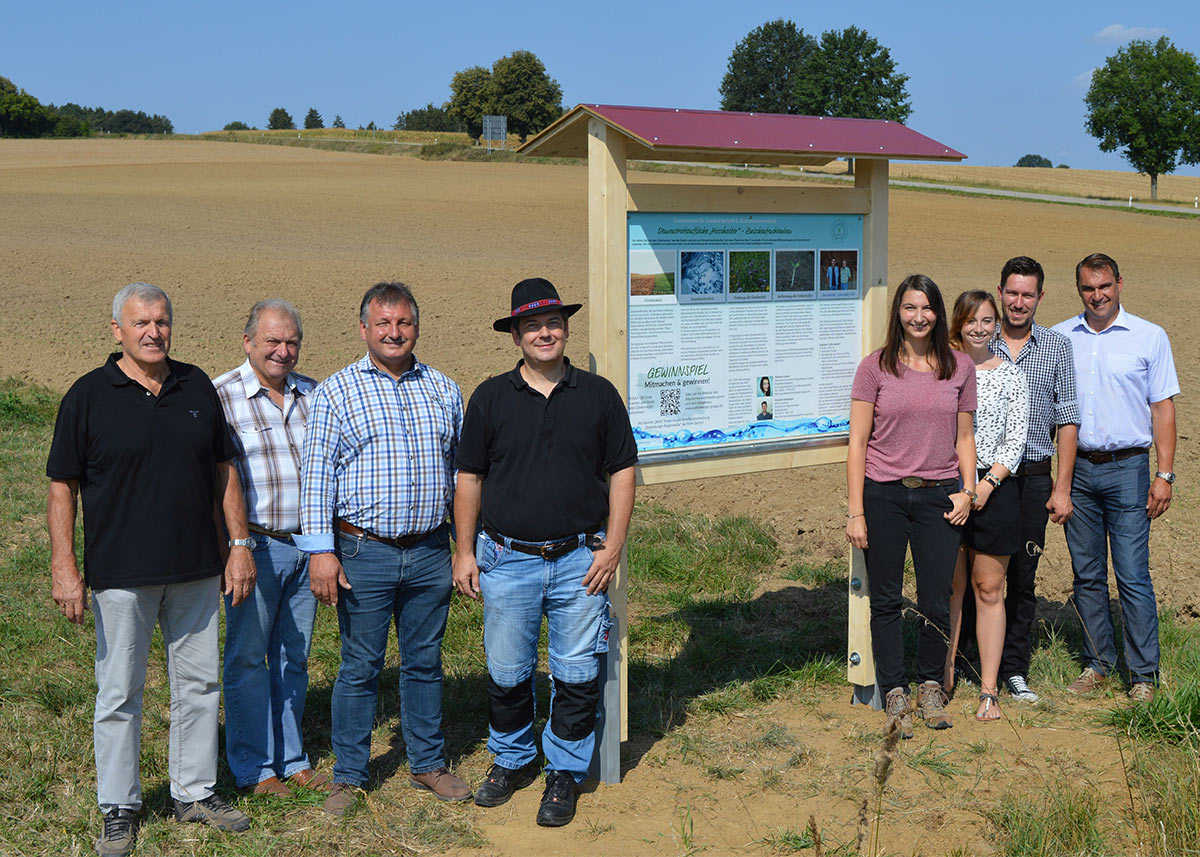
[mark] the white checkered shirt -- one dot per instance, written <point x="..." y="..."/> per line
<point x="270" y="443"/>
<point x="1049" y="366"/>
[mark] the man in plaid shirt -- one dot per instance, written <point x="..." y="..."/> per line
<point x="268" y="636"/>
<point x="378" y="479"/>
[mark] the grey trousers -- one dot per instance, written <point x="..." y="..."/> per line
<point x="125" y="620"/>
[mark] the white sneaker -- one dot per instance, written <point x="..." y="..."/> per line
<point x="1019" y="689"/>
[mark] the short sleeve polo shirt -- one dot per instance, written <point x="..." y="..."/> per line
<point x="146" y="467"/>
<point x="545" y="460"/>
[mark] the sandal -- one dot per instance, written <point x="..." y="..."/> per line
<point x="986" y="713"/>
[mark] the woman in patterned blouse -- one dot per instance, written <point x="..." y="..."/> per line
<point x="993" y="531"/>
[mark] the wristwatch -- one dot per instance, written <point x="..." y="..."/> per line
<point x="242" y="543"/>
<point x="1169" y="478"/>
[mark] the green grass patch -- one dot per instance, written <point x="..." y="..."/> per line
<point x="1063" y="820"/>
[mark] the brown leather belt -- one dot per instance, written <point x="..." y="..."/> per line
<point x="1034" y="468"/>
<point x="1104" y="457"/>
<point x="918" y="482"/>
<point x="275" y="534"/>
<point x="553" y="550"/>
<point x="398" y="541"/>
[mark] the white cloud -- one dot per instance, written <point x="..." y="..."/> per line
<point x="1115" y="34"/>
<point x="1083" y="81"/>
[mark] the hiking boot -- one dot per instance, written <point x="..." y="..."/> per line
<point x="1088" y="681"/>
<point x="214" y="812"/>
<point x="311" y="780"/>
<point x="120" y="826"/>
<point x="898" y="709"/>
<point x="270" y="786"/>
<point x="1019" y="689"/>
<point x="443" y="784"/>
<point x="501" y="782"/>
<point x="558" y="800"/>
<point x="931" y="705"/>
<point x="341" y="797"/>
<point x="1142" y="691"/>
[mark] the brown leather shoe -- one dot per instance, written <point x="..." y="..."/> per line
<point x="341" y="797"/>
<point x="1088" y="681"/>
<point x="310" y="779"/>
<point x="443" y="784"/>
<point x="270" y="786"/>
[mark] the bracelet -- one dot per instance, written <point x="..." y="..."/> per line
<point x="859" y="515"/>
<point x="970" y="494"/>
<point x="991" y="477"/>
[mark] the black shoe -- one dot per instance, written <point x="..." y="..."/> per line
<point x="501" y="782"/>
<point x="120" y="828"/>
<point x="558" y="800"/>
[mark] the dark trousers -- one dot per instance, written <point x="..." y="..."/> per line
<point x="1020" y="599"/>
<point x="897" y="518"/>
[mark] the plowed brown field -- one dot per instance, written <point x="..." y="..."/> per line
<point x="220" y="226"/>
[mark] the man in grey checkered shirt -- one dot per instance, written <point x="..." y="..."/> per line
<point x="1046" y="359"/>
<point x="268" y="636"/>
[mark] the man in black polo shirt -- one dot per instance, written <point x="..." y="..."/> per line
<point x="547" y="456"/>
<point x="143" y="441"/>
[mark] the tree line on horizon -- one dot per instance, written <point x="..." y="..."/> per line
<point x="22" y="115"/>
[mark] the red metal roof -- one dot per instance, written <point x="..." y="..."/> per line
<point x="668" y="133"/>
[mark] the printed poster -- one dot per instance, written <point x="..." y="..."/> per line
<point x="744" y="329"/>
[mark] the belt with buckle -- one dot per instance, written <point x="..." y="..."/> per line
<point x="1034" y="468"/>
<point x="918" y="482"/>
<point x="553" y="550"/>
<point x="1105" y="456"/>
<point x="398" y="541"/>
<point x="275" y="534"/>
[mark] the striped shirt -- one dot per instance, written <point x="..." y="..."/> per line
<point x="269" y="441"/>
<point x="1049" y="368"/>
<point x="379" y="453"/>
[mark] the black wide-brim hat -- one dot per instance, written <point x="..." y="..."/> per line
<point x="531" y="296"/>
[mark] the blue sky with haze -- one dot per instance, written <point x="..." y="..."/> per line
<point x="993" y="80"/>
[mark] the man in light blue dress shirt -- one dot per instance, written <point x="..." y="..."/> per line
<point x="1126" y="384"/>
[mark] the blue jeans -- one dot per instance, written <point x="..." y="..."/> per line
<point x="1110" y="509"/>
<point x="410" y="586"/>
<point x="518" y="589"/>
<point x="267" y="639"/>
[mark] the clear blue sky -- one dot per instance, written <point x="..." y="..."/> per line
<point x="993" y="80"/>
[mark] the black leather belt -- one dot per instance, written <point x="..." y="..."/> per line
<point x="398" y="541"/>
<point x="918" y="482"/>
<point x="275" y="534"/>
<point x="1034" y="468"/>
<point x="552" y="550"/>
<point x="1104" y="457"/>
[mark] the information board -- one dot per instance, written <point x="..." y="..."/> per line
<point x="744" y="329"/>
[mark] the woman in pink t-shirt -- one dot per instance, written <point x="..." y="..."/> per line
<point x="911" y="442"/>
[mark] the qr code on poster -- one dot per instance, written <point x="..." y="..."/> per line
<point x="668" y="403"/>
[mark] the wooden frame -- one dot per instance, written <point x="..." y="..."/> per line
<point x="610" y="198"/>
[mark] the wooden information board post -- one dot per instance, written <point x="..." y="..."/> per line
<point x="609" y="137"/>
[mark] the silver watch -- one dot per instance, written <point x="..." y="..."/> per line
<point x="1169" y="478"/>
<point x="242" y="543"/>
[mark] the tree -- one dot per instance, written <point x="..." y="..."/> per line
<point x="428" y="118"/>
<point x="236" y="126"/>
<point x="22" y="115"/>
<point x="523" y="91"/>
<point x="313" y="119"/>
<point x="1034" y="161"/>
<point x="850" y="74"/>
<point x="762" y="68"/>
<point x="337" y="121"/>
<point x="1145" y="100"/>
<point x="280" y="120"/>
<point x="470" y="92"/>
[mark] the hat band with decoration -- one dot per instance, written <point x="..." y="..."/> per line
<point x="536" y="305"/>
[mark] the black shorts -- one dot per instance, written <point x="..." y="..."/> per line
<point x="997" y="529"/>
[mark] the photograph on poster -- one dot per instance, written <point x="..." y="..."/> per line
<point x="764" y="386"/>
<point x="764" y="410"/>
<point x="839" y="273"/>
<point x="702" y="276"/>
<point x="749" y="275"/>
<point x="651" y="273"/>
<point x="795" y="274"/>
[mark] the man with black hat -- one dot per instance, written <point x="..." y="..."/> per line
<point x="546" y="455"/>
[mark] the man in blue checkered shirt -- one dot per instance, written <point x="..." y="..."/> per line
<point x="377" y="484"/>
